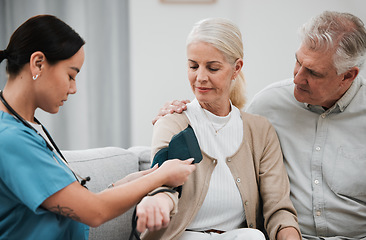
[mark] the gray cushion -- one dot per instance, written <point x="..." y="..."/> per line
<point x="104" y="166"/>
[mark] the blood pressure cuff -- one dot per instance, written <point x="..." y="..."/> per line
<point x="182" y="146"/>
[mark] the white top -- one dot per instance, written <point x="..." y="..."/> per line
<point x="222" y="208"/>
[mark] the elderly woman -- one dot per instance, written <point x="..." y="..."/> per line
<point x="241" y="184"/>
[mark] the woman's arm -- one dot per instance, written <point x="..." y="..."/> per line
<point x="78" y="203"/>
<point x="278" y="210"/>
<point x="154" y="212"/>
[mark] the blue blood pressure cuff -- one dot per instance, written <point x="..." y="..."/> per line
<point x="182" y="146"/>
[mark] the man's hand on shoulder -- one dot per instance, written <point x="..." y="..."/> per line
<point x="177" y="106"/>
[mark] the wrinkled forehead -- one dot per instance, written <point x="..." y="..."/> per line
<point x="320" y="59"/>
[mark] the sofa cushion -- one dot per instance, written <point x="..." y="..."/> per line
<point x="105" y="166"/>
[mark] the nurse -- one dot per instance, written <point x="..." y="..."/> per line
<point x="40" y="196"/>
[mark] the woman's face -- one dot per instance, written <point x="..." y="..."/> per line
<point x="210" y="75"/>
<point x="58" y="81"/>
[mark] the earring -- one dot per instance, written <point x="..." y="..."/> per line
<point x="35" y="77"/>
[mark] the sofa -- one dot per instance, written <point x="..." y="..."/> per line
<point x="105" y="166"/>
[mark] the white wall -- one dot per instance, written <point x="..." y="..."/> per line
<point x="158" y="33"/>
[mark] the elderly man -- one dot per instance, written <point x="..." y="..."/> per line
<point x="320" y="118"/>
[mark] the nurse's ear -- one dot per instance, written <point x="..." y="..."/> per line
<point x="36" y="64"/>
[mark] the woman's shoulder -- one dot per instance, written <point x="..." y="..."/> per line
<point x="174" y="120"/>
<point x="169" y="125"/>
<point x="257" y="125"/>
<point x="254" y="119"/>
<point x="10" y="128"/>
<point x="13" y="133"/>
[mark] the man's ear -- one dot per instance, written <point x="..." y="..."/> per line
<point x="350" y="75"/>
<point x="36" y="63"/>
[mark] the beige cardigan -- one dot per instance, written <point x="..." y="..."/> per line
<point x="257" y="168"/>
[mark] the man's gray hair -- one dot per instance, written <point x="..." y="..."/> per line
<point x="343" y="33"/>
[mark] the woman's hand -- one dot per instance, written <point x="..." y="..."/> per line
<point x="176" y="171"/>
<point x="288" y="233"/>
<point x="171" y="107"/>
<point x="153" y="212"/>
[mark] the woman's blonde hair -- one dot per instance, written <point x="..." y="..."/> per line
<point x="226" y="37"/>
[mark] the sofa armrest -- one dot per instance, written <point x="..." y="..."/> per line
<point x="144" y="155"/>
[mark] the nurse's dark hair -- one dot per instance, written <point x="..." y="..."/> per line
<point x="44" y="33"/>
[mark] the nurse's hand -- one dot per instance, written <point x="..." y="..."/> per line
<point x="175" y="172"/>
<point x="171" y="107"/>
<point x="153" y="212"/>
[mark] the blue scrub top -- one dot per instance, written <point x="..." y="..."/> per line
<point x="29" y="174"/>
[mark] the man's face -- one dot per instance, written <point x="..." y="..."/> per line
<point x="315" y="77"/>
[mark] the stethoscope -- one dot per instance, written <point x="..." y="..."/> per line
<point x="77" y="176"/>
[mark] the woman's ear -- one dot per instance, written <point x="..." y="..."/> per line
<point x="238" y="66"/>
<point x="36" y="64"/>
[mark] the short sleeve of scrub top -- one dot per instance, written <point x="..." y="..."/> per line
<point x="29" y="174"/>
